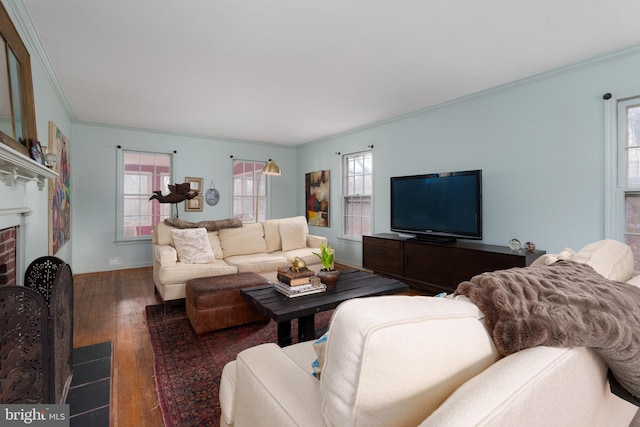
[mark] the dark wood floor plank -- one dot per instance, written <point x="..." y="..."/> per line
<point x="109" y="306"/>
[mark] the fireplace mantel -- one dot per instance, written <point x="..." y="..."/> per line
<point x="16" y="167"/>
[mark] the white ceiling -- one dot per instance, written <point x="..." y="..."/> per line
<point x="294" y="71"/>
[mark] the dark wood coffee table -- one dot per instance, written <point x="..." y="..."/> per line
<point x="352" y="284"/>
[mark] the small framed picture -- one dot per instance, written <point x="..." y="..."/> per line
<point x="195" y="183"/>
<point x="193" y="205"/>
<point x="36" y="152"/>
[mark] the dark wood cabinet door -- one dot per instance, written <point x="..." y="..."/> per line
<point x="474" y="262"/>
<point x="428" y="263"/>
<point x="382" y="255"/>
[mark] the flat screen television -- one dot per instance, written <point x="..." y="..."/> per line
<point x="438" y="206"/>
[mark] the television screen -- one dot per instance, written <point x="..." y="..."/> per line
<point x="439" y="204"/>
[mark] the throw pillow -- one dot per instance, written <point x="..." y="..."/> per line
<point x="293" y="235"/>
<point x="219" y="224"/>
<point x="246" y="240"/>
<point x="319" y="347"/>
<point x="178" y="223"/>
<point x="610" y="258"/>
<point x="214" y="225"/>
<point x="272" y="235"/>
<point x="192" y="246"/>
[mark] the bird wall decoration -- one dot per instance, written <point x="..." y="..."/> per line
<point x="177" y="193"/>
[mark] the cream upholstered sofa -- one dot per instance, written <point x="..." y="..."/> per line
<point x="413" y="360"/>
<point x="183" y="254"/>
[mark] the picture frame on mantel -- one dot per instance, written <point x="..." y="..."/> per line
<point x="36" y="152"/>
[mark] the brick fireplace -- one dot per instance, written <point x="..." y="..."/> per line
<point x="22" y="184"/>
<point x="8" y="250"/>
<point x="13" y="225"/>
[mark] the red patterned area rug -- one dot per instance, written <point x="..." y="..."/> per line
<point x="188" y="368"/>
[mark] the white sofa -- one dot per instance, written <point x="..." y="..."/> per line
<point x="258" y="247"/>
<point x="413" y="360"/>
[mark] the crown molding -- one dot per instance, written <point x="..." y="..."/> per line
<point x="630" y="51"/>
<point x="24" y="24"/>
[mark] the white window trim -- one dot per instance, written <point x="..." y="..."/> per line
<point x="120" y="238"/>
<point x="614" y="177"/>
<point x="256" y="175"/>
<point x="343" y="235"/>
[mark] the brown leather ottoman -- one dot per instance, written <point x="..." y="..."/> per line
<point x="215" y="302"/>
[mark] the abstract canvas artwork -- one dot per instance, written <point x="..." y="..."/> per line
<point x="317" y="185"/>
<point x="59" y="192"/>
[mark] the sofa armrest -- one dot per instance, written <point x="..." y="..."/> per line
<point x="314" y="241"/>
<point x="165" y="254"/>
<point x="544" y="385"/>
<point x="272" y="389"/>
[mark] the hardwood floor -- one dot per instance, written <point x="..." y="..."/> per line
<point x="109" y="306"/>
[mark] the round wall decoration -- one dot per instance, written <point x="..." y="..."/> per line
<point x="212" y="196"/>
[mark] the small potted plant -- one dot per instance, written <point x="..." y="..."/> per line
<point x="328" y="274"/>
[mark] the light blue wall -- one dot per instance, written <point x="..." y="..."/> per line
<point x="47" y="107"/>
<point x="94" y="155"/>
<point x="539" y="143"/>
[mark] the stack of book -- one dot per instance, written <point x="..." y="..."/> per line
<point x="294" y="278"/>
<point x="296" y="283"/>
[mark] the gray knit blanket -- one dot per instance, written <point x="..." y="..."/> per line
<point x="566" y="304"/>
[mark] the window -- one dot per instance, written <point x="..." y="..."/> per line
<point x="629" y="145"/>
<point x="356" y="194"/>
<point x="622" y="192"/>
<point x="245" y="174"/>
<point x="142" y="173"/>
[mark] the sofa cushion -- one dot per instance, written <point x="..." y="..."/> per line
<point x="249" y="239"/>
<point x="305" y="253"/>
<point x="635" y="281"/>
<point x="393" y="360"/>
<point x="214" y="242"/>
<point x="293" y="235"/>
<point x="272" y="231"/>
<point x="180" y="273"/>
<point x="258" y="263"/>
<point x="610" y="258"/>
<point x="192" y="246"/>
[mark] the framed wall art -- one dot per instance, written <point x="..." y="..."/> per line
<point x="317" y="204"/>
<point x="59" y="191"/>
<point x="195" y="183"/>
<point x="193" y="205"/>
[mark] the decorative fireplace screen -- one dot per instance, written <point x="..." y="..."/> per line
<point x="36" y="334"/>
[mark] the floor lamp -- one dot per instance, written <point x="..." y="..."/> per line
<point x="271" y="168"/>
